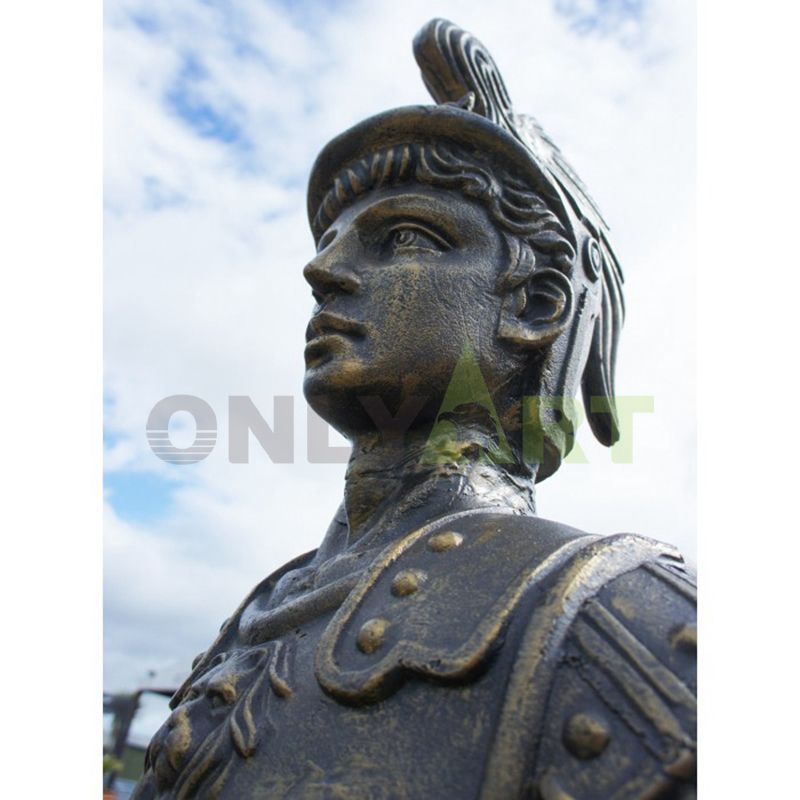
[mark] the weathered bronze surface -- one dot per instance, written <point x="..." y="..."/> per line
<point x="444" y="641"/>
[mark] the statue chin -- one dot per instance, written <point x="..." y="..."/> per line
<point x="359" y="401"/>
<point x="333" y="395"/>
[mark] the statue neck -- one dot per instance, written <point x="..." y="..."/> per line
<point x="392" y="487"/>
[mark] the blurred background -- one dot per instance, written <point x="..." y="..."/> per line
<point x="214" y="113"/>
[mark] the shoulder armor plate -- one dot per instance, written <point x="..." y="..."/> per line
<point x="602" y="700"/>
<point x="436" y="602"/>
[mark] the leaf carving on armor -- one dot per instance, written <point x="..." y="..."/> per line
<point x="224" y="716"/>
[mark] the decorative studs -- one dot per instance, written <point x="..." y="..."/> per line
<point x="407" y="582"/>
<point x="685" y="638"/>
<point x="586" y="735"/>
<point x="446" y="540"/>
<point x="684" y="767"/>
<point x="371" y="635"/>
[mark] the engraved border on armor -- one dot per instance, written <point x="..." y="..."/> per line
<point x="513" y="753"/>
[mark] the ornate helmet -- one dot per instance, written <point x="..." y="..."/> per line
<point x="474" y="113"/>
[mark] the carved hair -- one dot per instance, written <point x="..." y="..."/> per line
<point x="511" y="204"/>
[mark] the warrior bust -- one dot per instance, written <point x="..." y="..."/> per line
<point x="444" y="641"/>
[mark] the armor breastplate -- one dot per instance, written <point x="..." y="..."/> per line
<point x="483" y="655"/>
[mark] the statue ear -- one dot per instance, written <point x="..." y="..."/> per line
<point x="536" y="312"/>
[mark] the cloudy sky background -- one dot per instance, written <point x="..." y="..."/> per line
<point x="214" y="113"/>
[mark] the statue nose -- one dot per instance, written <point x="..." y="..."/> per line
<point x="327" y="275"/>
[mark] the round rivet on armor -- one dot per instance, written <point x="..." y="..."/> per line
<point x="586" y="735"/>
<point x="370" y="637"/>
<point x="685" y="638"/>
<point x="446" y="540"/>
<point x="407" y="582"/>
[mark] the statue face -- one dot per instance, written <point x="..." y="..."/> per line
<point x="403" y="279"/>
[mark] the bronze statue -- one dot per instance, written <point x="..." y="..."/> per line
<point x="444" y="641"/>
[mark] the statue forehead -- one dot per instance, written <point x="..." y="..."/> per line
<point x="446" y="205"/>
<point x="434" y="166"/>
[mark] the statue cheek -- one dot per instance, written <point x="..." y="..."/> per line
<point x="396" y="290"/>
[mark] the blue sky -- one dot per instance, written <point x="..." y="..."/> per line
<point x="214" y="114"/>
<point x="140" y="497"/>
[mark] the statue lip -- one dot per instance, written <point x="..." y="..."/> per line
<point x="324" y="322"/>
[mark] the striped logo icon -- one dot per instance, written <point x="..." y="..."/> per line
<point x="158" y="435"/>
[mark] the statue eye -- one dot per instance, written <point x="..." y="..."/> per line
<point x="405" y="237"/>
